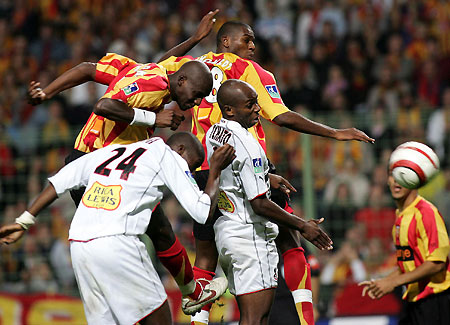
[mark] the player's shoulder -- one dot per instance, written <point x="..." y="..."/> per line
<point x="426" y="208"/>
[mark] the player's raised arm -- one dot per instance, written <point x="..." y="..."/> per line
<point x="76" y="76"/>
<point x="203" y="30"/>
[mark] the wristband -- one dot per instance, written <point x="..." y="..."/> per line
<point x="143" y="118"/>
<point x="26" y="220"/>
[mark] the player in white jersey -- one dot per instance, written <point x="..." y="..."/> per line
<point x="124" y="183"/>
<point x="245" y="232"/>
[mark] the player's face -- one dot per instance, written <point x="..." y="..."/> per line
<point x="189" y="96"/>
<point x="242" y="43"/>
<point x="398" y="192"/>
<point x="247" y="109"/>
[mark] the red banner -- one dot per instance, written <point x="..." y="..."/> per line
<point x="44" y="309"/>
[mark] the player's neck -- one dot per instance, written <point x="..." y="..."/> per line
<point x="405" y="201"/>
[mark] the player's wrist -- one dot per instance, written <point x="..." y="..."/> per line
<point x="26" y="220"/>
<point x="143" y="118"/>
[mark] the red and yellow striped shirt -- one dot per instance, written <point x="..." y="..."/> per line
<point x="143" y="86"/>
<point x="230" y="66"/>
<point x="420" y="235"/>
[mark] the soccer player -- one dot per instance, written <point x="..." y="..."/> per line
<point x="244" y="233"/>
<point x="423" y="246"/>
<point x="233" y="59"/>
<point x="117" y="281"/>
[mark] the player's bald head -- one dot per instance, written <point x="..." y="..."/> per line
<point x="198" y="74"/>
<point x="232" y="93"/>
<point x="190" y="84"/>
<point x="189" y="147"/>
<point x="230" y="28"/>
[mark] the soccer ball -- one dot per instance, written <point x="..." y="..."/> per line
<point x="413" y="164"/>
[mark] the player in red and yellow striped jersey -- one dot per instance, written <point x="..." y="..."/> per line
<point x="233" y="59"/>
<point x="423" y="247"/>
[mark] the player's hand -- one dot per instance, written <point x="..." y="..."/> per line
<point x="205" y="26"/>
<point x="222" y="157"/>
<point x="35" y="93"/>
<point x="353" y="134"/>
<point x="279" y="182"/>
<point x="377" y="288"/>
<point x="313" y="233"/>
<point x="168" y="119"/>
<point x="11" y="233"/>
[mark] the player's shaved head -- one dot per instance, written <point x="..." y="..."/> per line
<point x="190" y="84"/>
<point x="230" y="28"/>
<point x="231" y="93"/>
<point x="189" y="147"/>
<point x="198" y="74"/>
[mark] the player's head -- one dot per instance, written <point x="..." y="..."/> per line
<point x="238" y="38"/>
<point x="238" y="102"/>
<point x="188" y="147"/>
<point x="190" y="84"/>
<point x="398" y="192"/>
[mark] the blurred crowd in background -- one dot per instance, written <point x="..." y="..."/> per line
<point x="382" y="66"/>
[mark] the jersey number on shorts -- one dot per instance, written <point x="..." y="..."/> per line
<point x="217" y="81"/>
<point x="126" y="165"/>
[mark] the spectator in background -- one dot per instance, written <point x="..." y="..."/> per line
<point x="395" y="59"/>
<point x="409" y="123"/>
<point x="274" y="24"/>
<point x="377" y="217"/>
<point x="438" y="129"/>
<point x="428" y="85"/>
<point x="385" y="90"/>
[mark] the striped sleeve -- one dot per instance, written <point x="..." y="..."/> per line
<point x="174" y="63"/>
<point x="269" y="97"/>
<point x="433" y="233"/>
<point x="145" y="92"/>
<point x="109" y="67"/>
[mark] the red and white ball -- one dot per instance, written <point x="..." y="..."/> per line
<point x="413" y="164"/>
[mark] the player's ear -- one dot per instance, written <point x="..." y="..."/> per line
<point x="225" y="41"/>
<point x="228" y="110"/>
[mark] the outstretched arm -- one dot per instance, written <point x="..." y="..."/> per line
<point x="298" y="122"/>
<point x="203" y="30"/>
<point x="76" y="76"/>
<point x="310" y="229"/>
<point x="11" y="233"/>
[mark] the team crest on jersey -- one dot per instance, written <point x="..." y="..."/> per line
<point x="224" y="203"/>
<point x="273" y="91"/>
<point x="191" y="178"/>
<point x="257" y="165"/>
<point x="102" y="197"/>
<point x="131" y="88"/>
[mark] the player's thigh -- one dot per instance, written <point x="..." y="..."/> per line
<point x="248" y="255"/>
<point x="161" y="316"/>
<point x="254" y="308"/>
<point x="118" y="270"/>
<point x="287" y="239"/>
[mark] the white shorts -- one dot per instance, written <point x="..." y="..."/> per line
<point x="247" y="254"/>
<point x="117" y="280"/>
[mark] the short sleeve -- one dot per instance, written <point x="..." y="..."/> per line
<point x="173" y="63"/>
<point x="73" y="175"/>
<point x="149" y="93"/>
<point x="269" y="97"/>
<point x="434" y="235"/>
<point x="109" y="66"/>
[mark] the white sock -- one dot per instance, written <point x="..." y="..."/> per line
<point x="302" y="295"/>
<point x="202" y="316"/>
